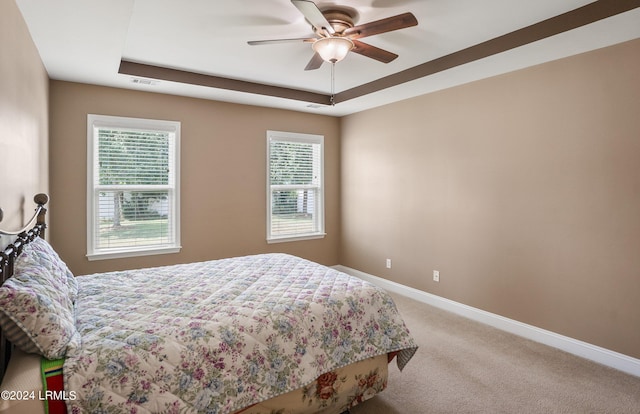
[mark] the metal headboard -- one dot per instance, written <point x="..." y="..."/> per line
<point x="35" y="227"/>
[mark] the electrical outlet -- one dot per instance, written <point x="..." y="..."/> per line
<point x="388" y="263"/>
<point x="436" y="276"/>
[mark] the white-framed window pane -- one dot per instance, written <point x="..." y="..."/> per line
<point x="129" y="157"/>
<point x="293" y="212"/>
<point x="133" y="202"/>
<point x="133" y="219"/>
<point x="294" y="163"/>
<point x="295" y="205"/>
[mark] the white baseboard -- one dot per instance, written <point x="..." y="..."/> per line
<point x="582" y="349"/>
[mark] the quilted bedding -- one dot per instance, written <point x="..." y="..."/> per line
<point x="218" y="336"/>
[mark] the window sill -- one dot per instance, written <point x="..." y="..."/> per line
<point x="286" y="239"/>
<point x="118" y="254"/>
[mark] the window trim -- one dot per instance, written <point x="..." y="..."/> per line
<point x="106" y="121"/>
<point x="320" y="210"/>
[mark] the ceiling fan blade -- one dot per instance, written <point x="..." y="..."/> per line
<point x="373" y="52"/>
<point x="389" y="24"/>
<point x="313" y="15"/>
<point x="315" y="62"/>
<point x="275" y="41"/>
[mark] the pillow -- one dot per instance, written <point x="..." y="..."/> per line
<point x="37" y="310"/>
<point x="40" y="252"/>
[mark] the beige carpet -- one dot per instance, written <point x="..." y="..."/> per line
<point x="467" y="367"/>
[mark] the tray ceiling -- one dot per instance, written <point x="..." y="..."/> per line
<point x="201" y="50"/>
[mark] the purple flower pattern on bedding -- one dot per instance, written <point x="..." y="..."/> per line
<point x="37" y="304"/>
<point x="218" y="336"/>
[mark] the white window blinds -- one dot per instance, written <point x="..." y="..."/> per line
<point x="133" y="206"/>
<point x="295" y="186"/>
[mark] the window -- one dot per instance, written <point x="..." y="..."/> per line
<point x="133" y="194"/>
<point x="295" y="189"/>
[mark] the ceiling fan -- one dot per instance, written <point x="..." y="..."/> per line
<point x="336" y="34"/>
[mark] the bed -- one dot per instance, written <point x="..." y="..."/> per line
<point x="265" y="333"/>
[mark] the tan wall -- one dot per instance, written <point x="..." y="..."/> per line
<point x="523" y="190"/>
<point x="24" y="87"/>
<point x="223" y="174"/>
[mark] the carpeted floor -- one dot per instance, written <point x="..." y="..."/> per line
<point x="467" y="367"/>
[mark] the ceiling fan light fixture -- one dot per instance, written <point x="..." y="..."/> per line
<point x="332" y="49"/>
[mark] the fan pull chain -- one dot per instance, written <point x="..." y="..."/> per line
<point x="333" y="83"/>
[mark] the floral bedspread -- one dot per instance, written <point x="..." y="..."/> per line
<point x="218" y="336"/>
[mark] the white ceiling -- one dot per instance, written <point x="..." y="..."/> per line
<point x="84" y="41"/>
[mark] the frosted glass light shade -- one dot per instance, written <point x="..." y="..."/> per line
<point x="332" y="49"/>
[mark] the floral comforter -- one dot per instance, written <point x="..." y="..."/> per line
<point x="217" y="336"/>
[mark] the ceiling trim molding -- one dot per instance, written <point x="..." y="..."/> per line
<point x="193" y="78"/>
<point x="573" y="19"/>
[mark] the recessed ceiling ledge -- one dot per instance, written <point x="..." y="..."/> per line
<point x="573" y="19"/>
<point x="192" y="78"/>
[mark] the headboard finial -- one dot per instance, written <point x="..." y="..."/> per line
<point x="38" y="217"/>
<point x="41" y="199"/>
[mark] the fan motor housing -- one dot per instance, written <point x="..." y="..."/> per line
<point x="340" y="20"/>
